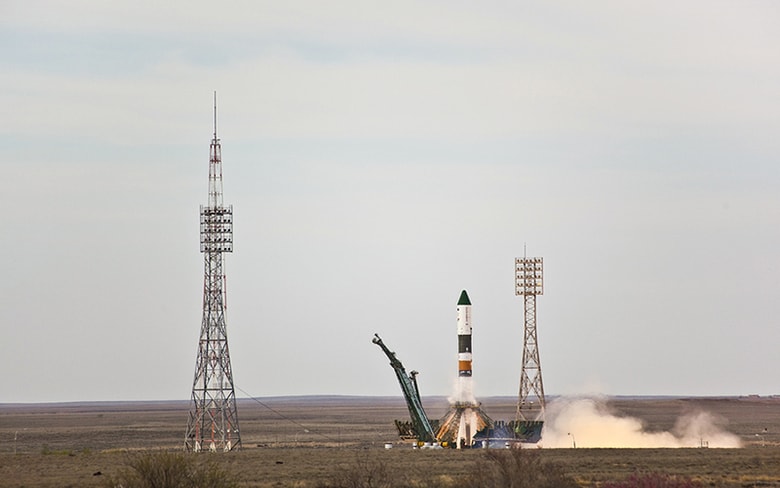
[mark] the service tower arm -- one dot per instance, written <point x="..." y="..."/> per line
<point x="422" y="425"/>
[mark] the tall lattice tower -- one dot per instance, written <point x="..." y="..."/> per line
<point x="213" y="419"/>
<point x="529" y="284"/>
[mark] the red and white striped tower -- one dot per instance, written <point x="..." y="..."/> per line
<point x="213" y="418"/>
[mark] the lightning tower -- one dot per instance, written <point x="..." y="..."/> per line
<point x="529" y="284"/>
<point x="213" y="418"/>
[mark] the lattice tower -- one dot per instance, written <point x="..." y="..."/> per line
<point x="213" y="418"/>
<point x="529" y="284"/>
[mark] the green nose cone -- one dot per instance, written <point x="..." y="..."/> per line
<point x="464" y="298"/>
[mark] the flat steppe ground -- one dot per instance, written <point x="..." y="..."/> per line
<point x="306" y="441"/>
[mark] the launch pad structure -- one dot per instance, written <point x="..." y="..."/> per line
<point x="421" y="427"/>
<point x="213" y="418"/>
<point x="465" y="424"/>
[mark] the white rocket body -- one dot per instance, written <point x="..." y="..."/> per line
<point x="464" y="335"/>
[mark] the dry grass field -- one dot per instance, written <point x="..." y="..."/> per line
<point x="307" y="441"/>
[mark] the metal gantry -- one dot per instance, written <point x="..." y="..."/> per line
<point x="421" y="425"/>
<point x="213" y="418"/>
<point x="529" y="284"/>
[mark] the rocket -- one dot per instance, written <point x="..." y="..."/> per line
<point x="464" y="335"/>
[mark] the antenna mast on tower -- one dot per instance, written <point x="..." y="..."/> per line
<point x="529" y="284"/>
<point x="213" y="418"/>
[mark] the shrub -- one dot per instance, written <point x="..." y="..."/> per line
<point x="376" y="473"/>
<point x="514" y="468"/>
<point x="164" y="469"/>
<point x="653" y="480"/>
<point x="518" y="468"/>
<point x="364" y="473"/>
<point x="46" y="451"/>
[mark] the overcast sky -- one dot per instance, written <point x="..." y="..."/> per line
<point x="380" y="158"/>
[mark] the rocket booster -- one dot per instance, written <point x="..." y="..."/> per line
<point x="464" y="335"/>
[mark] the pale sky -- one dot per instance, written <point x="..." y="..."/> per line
<point x="381" y="157"/>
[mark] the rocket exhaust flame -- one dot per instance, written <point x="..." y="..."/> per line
<point x="461" y="423"/>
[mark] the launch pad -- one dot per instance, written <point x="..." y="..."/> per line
<point x="498" y="434"/>
<point x="466" y="425"/>
<point x="461" y="424"/>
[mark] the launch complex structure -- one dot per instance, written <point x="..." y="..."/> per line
<point x="529" y="284"/>
<point x="213" y="418"/>
<point x="466" y="424"/>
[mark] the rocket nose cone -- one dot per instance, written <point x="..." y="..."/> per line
<point x="464" y="298"/>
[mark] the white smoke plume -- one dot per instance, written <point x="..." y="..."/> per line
<point x="465" y="417"/>
<point x="463" y="391"/>
<point x="588" y="422"/>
